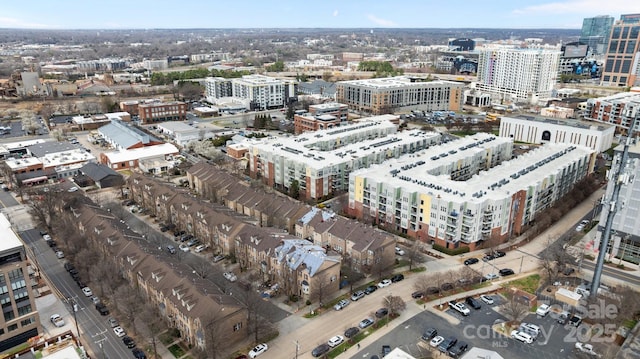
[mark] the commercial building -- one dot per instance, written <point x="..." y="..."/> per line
<point x="338" y="110"/>
<point x="400" y="93"/>
<point x="150" y="159"/>
<point x="539" y="130"/>
<point x="618" y="109"/>
<point x="466" y="191"/>
<point x="518" y="75"/>
<point x="319" y="162"/>
<point x="625" y="231"/>
<point x="179" y="132"/>
<point x="123" y="136"/>
<point x="595" y="33"/>
<point x="162" y="111"/>
<point x="622" y="65"/>
<point x="20" y="320"/>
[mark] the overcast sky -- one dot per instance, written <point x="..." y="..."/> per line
<point x="141" y="14"/>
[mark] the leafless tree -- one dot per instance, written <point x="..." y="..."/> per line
<point x="395" y="304"/>
<point x="515" y="309"/>
<point x="152" y="324"/>
<point x="215" y="335"/>
<point x="256" y="307"/>
<point x="413" y="253"/>
<point x="320" y="284"/>
<point x="128" y="301"/>
<point x="423" y="282"/>
<point x="43" y="206"/>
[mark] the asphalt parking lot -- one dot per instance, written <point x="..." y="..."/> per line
<point x="555" y="341"/>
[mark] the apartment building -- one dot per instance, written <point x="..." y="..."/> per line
<point x="187" y="302"/>
<point x="20" y="319"/>
<point x="261" y="92"/>
<point x="518" y="75"/>
<point x="625" y="231"/>
<point x="621" y="62"/>
<point x="162" y="111"/>
<point x="466" y="191"/>
<point x="338" y="110"/>
<point x="321" y="117"/>
<point x="217" y="87"/>
<point x="618" y="109"/>
<point x="539" y="130"/>
<point x="319" y="162"/>
<point x="400" y="93"/>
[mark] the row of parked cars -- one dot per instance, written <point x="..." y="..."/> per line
<point x="450" y="345"/>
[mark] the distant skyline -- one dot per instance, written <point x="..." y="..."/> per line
<point x="170" y="14"/>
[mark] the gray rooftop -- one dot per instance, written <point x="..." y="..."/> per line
<point x="125" y="136"/>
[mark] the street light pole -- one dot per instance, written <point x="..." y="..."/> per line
<point x="74" y="309"/>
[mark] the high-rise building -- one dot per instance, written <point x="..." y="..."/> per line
<point x="623" y="55"/>
<point x="261" y="92"/>
<point x="518" y="75"/>
<point x="595" y="33"/>
<point x="19" y="320"/>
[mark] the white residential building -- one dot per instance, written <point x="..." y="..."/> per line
<point x="321" y="161"/>
<point x="467" y="190"/>
<point x="180" y="132"/>
<point x="518" y="75"/>
<point x="262" y="92"/>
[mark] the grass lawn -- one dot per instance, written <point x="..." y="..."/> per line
<point x="166" y="338"/>
<point x="176" y="350"/>
<point x="528" y="284"/>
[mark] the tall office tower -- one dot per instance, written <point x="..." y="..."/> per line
<point x="518" y="75"/>
<point x="623" y="55"/>
<point x="19" y="320"/>
<point x="595" y="33"/>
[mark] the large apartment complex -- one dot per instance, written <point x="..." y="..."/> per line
<point x="622" y="65"/>
<point x="320" y="162"/>
<point x="400" y="93"/>
<point x="518" y="75"/>
<point x="20" y="320"/>
<point x="618" y="109"/>
<point x="466" y="191"/>
<point x="261" y="92"/>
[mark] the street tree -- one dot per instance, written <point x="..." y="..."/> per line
<point x="515" y="310"/>
<point x="320" y="285"/>
<point x="128" y="301"/>
<point x="395" y="304"/>
<point x="258" y="325"/>
<point x="413" y="254"/>
<point x="151" y="325"/>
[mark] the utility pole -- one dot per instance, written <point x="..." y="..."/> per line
<point x="297" y="348"/>
<point x="71" y="301"/>
<point x="620" y="174"/>
<point x="100" y="341"/>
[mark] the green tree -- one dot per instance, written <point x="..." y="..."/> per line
<point x="277" y="66"/>
<point x="294" y="189"/>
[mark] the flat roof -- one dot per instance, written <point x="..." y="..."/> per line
<point x="10" y="239"/>
<point x="419" y="172"/>
<point x="396" y="82"/>
<point x="328" y="106"/>
<point x="176" y="126"/>
<point x="141" y="153"/>
<point x="585" y="125"/>
<point x="67" y="157"/>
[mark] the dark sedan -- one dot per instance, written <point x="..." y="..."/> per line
<point x="320" y="350"/>
<point x="397" y="278"/>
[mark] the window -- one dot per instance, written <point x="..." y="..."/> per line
<point x="13" y="327"/>
<point x="27" y="322"/>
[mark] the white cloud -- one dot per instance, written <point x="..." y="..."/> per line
<point x="611" y="7"/>
<point x="335" y="13"/>
<point x="18" y="23"/>
<point x="381" y="22"/>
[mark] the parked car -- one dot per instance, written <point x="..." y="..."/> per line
<point x="460" y="308"/>
<point x="365" y="323"/>
<point x="386" y="349"/>
<point x="521" y="336"/>
<point x="200" y="248"/>
<point x="341" y="304"/>
<point x="487" y="299"/>
<point x="258" y="349"/>
<point x="112" y="322"/>
<point x="57" y="320"/>
<point x="563" y="318"/>
<point x="384" y="283"/>
<point x="473" y="303"/>
<point x="60" y="254"/>
<point x="87" y="292"/>
<point x="429" y="334"/>
<point x="575" y="320"/>
<point x="488" y="257"/>
<point x="417" y="295"/>
<point x="171" y="249"/>
<point x="586" y="348"/>
<point x="138" y="353"/>
<point x="370" y="289"/>
<point x="103" y="310"/>
<point x="506" y="272"/>
<point x="457" y="350"/>
<point x="320" y="350"/>
<point x="435" y="342"/>
<point x="335" y="341"/>
<point x="470" y="261"/>
<point x="73" y="189"/>
<point x="129" y="342"/>
<point x="433" y="290"/>
<point x="499" y="254"/>
<point x="490" y="276"/>
<point x="399" y="251"/>
<point x="543" y="310"/>
<point x="530" y="329"/>
<point x="351" y="332"/>
<point x="119" y="331"/>
<point x="183" y="247"/>
<point x="396" y="278"/>
<point x="381" y="312"/>
<point x="579" y="228"/>
<point x="357" y="295"/>
<point x="230" y="276"/>
<point x="218" y="258"/>
<point x="447" y="344"/>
